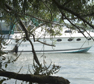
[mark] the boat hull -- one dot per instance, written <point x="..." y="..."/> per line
<point x="55" y="45"/>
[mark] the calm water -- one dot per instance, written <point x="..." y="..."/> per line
<point x="78" y="68"/>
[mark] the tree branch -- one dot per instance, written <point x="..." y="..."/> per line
<point x="45" y="43"/>
<point x="26" y="33"/>
<point x="70" y="11"/>
<point x="67" y="2"/>
<point x="27" y="37"/>
<point x="73" y="24"/>
<point x="35" y="78"/>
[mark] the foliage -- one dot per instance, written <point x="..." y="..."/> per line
<point x="46" y="11"/>
<point x="45" y="70"/>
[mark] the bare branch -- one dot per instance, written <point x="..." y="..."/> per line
<point x="35" y="78"/>
<point x="45" y="43"/>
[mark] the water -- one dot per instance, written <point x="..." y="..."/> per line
<point x="78" y="68"/>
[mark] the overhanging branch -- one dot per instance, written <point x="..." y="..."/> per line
<point x="35" y="78"/>
<point x="72" y="12"/>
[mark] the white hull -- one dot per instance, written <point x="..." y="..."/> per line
<point x="61" y="46"/>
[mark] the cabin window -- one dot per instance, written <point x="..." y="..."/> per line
<point x="68" y="31"/>
<point x="78" y="39"/>
<point x="70" y="39"/>
<point x="89" y="38"/>
<point x="59" y="40"/>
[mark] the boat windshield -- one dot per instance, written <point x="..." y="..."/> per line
<point x="68" y="31"/>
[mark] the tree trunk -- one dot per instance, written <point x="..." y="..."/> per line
<point x="35" y="78"/>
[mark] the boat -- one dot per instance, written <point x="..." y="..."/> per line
<point x="71" y="41"/>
